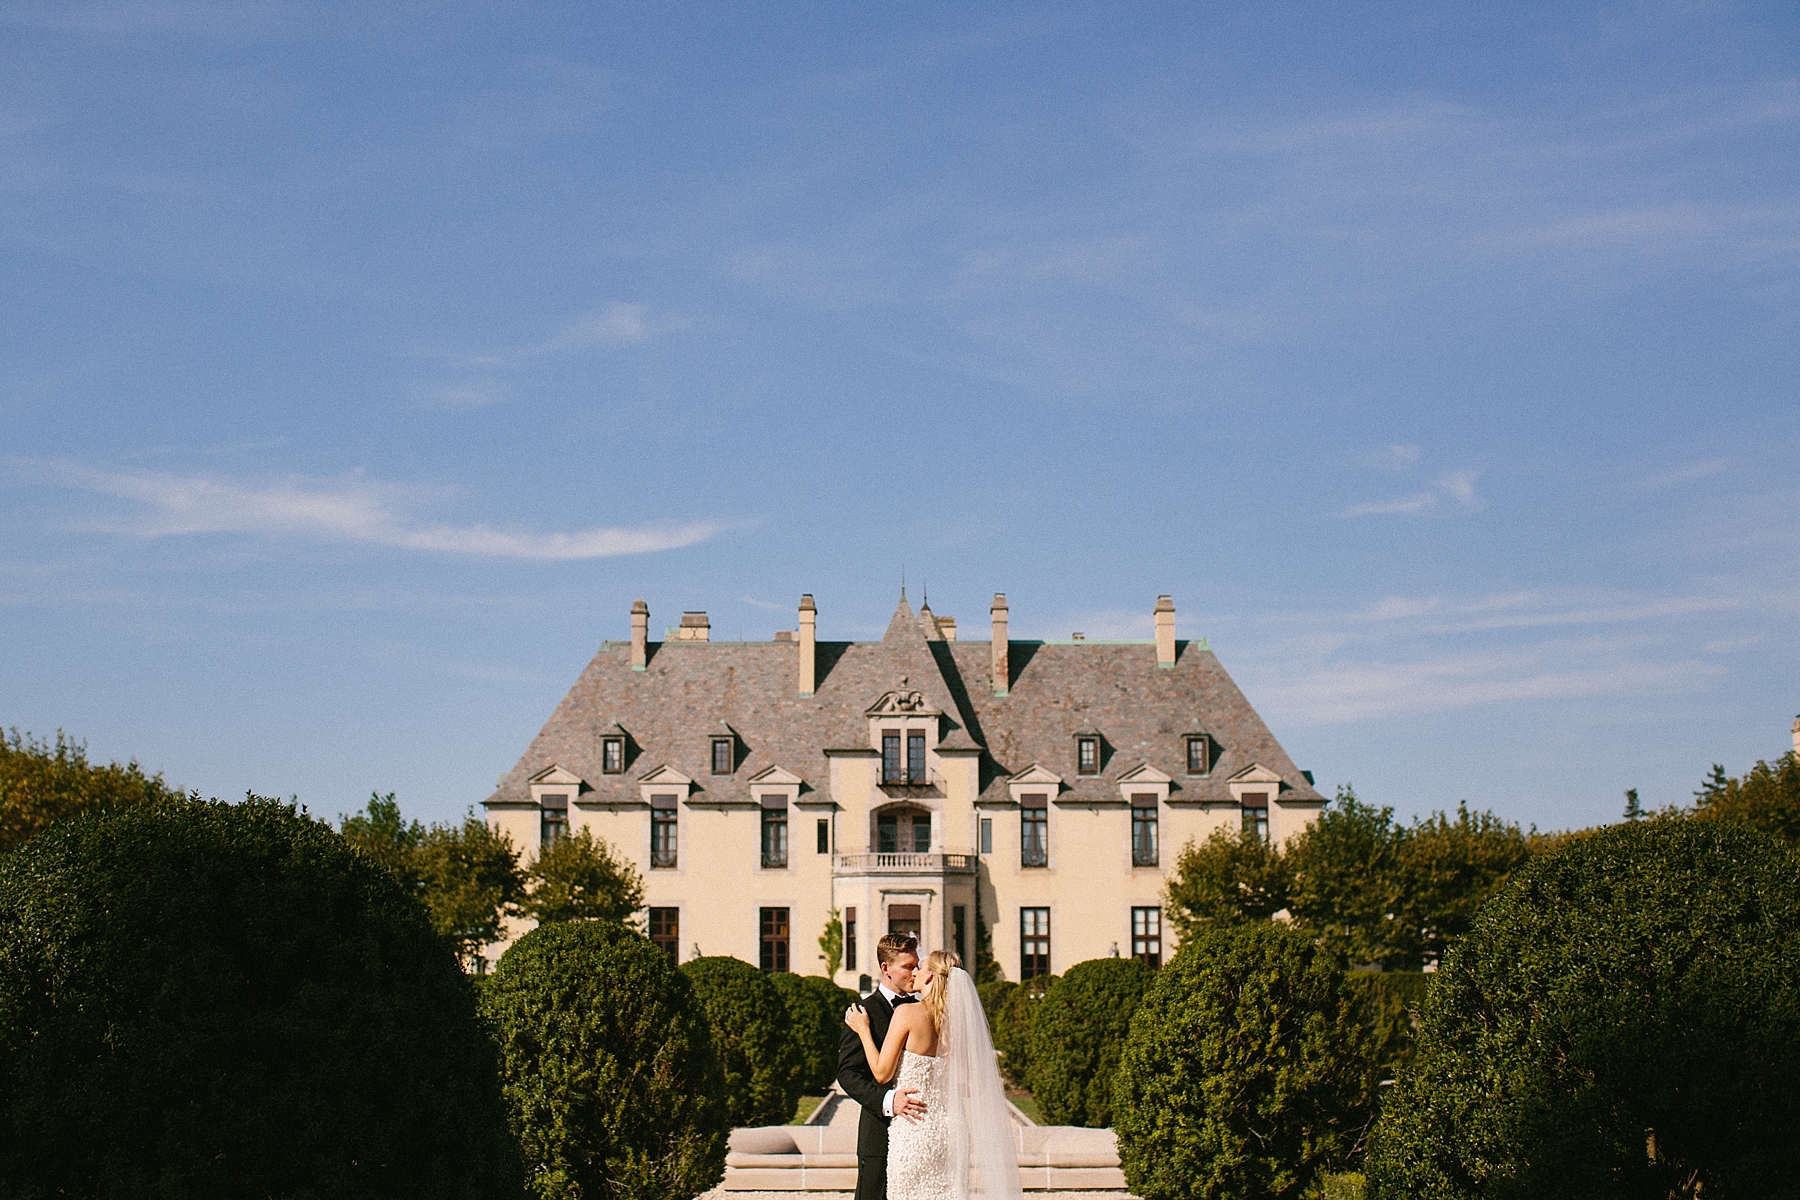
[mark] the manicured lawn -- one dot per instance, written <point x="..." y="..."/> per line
<point x="805" y="1109"/>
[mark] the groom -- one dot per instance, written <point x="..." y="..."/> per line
<point x="898" y="956"/>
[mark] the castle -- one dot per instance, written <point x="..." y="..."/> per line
<point x="1027" y="797"/>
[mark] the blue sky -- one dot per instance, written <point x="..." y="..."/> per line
<point x="359" y="365"/>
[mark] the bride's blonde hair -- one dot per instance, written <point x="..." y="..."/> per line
<point x="937" y="993"/>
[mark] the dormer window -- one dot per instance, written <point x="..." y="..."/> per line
<point x="721" y="756"/>
<point x="1087" y="756"/>
<point x="1199" y="756"/>
<point x="612" y="756"/>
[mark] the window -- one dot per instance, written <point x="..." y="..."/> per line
<point x="915" y="759"/>
<point x="824" y="836"/>
<point x="1087" y="756"/>
<point x="887" y="833"/>
<point x="1034" y="942"/>
<point x="721" y="764"/>
<point x="774" y="838"/>
<point x="904" y="919"/>
<point x="665" y="932"/>
<point x="921" y="825"/>
<point x="850" y="938"/>
<point x="1256" y="815"/>
<point x="775" y="939"/>
<point x="612" y="756"/>
<point x="987" y="835"/>
<point x="554" y="823"/>
<point x="662" y="832"/>
<point x="1197" y="762"/>
<point x="891" y="767"/>
<point x="1146" y="936"/>
<point x="1034" y="831"/>
<point x="1143" y="831"/>
<point x="959" y="930"/>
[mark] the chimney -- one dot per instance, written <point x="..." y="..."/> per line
<point x="1002" y="649"/>
<point x="1165" y="632"/>
<point x="947" y="627"/>
<point x="694" y="627"/>
<point x="1797" y="737"/>
<point x="640" y="634"/>
<point x="809" y="636"/>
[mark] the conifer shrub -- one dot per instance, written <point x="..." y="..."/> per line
<point x="765" y="1069"/>
<point x="610" y="1077"/>
<point x="205" y="999"/>
<point x="1011" y="1023"/>
<point x="1246" y="1073"/>
<point x="1077" y="1032"/>
<point x="1623" y="1020"/>
<point x="815" y="1012"/>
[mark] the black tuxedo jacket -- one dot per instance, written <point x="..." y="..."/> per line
<point x="858" y="1081"/>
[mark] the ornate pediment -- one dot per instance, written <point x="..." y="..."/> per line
<point x="1256" y="773"/>
<point x="1035" y="773"/>
<point x="556" y="776"/>
<point x="664" y="774"/>
<point x="1144" y="773"/>
<point x="902" y="702"/>
<point x="774" y="776"/>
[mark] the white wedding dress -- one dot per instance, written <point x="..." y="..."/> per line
<point x="965" y="1147"/>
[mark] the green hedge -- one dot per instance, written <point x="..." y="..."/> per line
<point x="1077" y="1033"/>
<point x="765" y="1070"/>
<point x="611" y="1081"/>
<point x="204" y="999"/>
<point x="1011" y="1024"/>
<point x="815" y="1011"/>
<point x="1390" y="1003"/>
<point x="1623" y="1020"/>
<point x="1246" y="1073"/>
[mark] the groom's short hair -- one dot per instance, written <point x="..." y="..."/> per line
<point x="893" y="945"/>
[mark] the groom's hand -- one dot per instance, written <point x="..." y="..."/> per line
<point x="907" y="1104"/>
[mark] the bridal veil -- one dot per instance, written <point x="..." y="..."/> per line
<point x="980" y="1126"/>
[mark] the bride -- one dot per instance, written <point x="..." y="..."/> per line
<point x="964" y="1146"/>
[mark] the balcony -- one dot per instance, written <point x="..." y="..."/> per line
<point x="902" y="864"/>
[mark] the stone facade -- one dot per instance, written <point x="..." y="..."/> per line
<point x="1037" y="790"/>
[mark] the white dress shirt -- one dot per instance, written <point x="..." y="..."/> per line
<point x="887" y="1101"/>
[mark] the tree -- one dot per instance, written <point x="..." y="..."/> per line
<point x="1246" y="1074"/>
<point x="764" y="1068"/>
<point x="815" y="1012"/>
<point x="1634" y="811"/>
<point x="470" y="882"/>
<point x="383" y="836"/>
<point x="581" y="878"/>
<point x="1226" y="880"/>
<point x="610" y="1077"/>
<point x="831" y="942"/>
<point x="41" y="782"/>
<point x="1345" y="878"/>
<point x="211" y="999"/>
<point x="466" y="875"/>
<point x="1077" y="1034"/>
<point x="1622" y="1021"/>
<point x="1447" y="871"/>
<point x="1766" y="797"/>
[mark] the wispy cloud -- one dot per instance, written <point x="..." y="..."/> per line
<point x="617" y="325"/>
<point x="1456" y="487"/>
<point x="350" y="508"/>
<point x="1698" y="470"/>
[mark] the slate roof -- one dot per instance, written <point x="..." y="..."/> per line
<point x="691" y="692"/>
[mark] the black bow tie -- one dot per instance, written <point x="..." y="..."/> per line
<point x="899" y="1000"/>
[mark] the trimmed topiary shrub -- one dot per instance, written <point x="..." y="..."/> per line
<point x="1077" y="1033"/>
<point x="609" y="1072"/>
<point x="1390" y="1003"/>
<point x="765" y="1071"/>
<point x="1622" y="1021"/>
<point x="815" y="1010"/>
<point x="205" y="999"/>
<point x="1011" y="1024"/>
<point x="1246" y="1073"/>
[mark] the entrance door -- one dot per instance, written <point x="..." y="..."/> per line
<point x="904" y="919"/>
